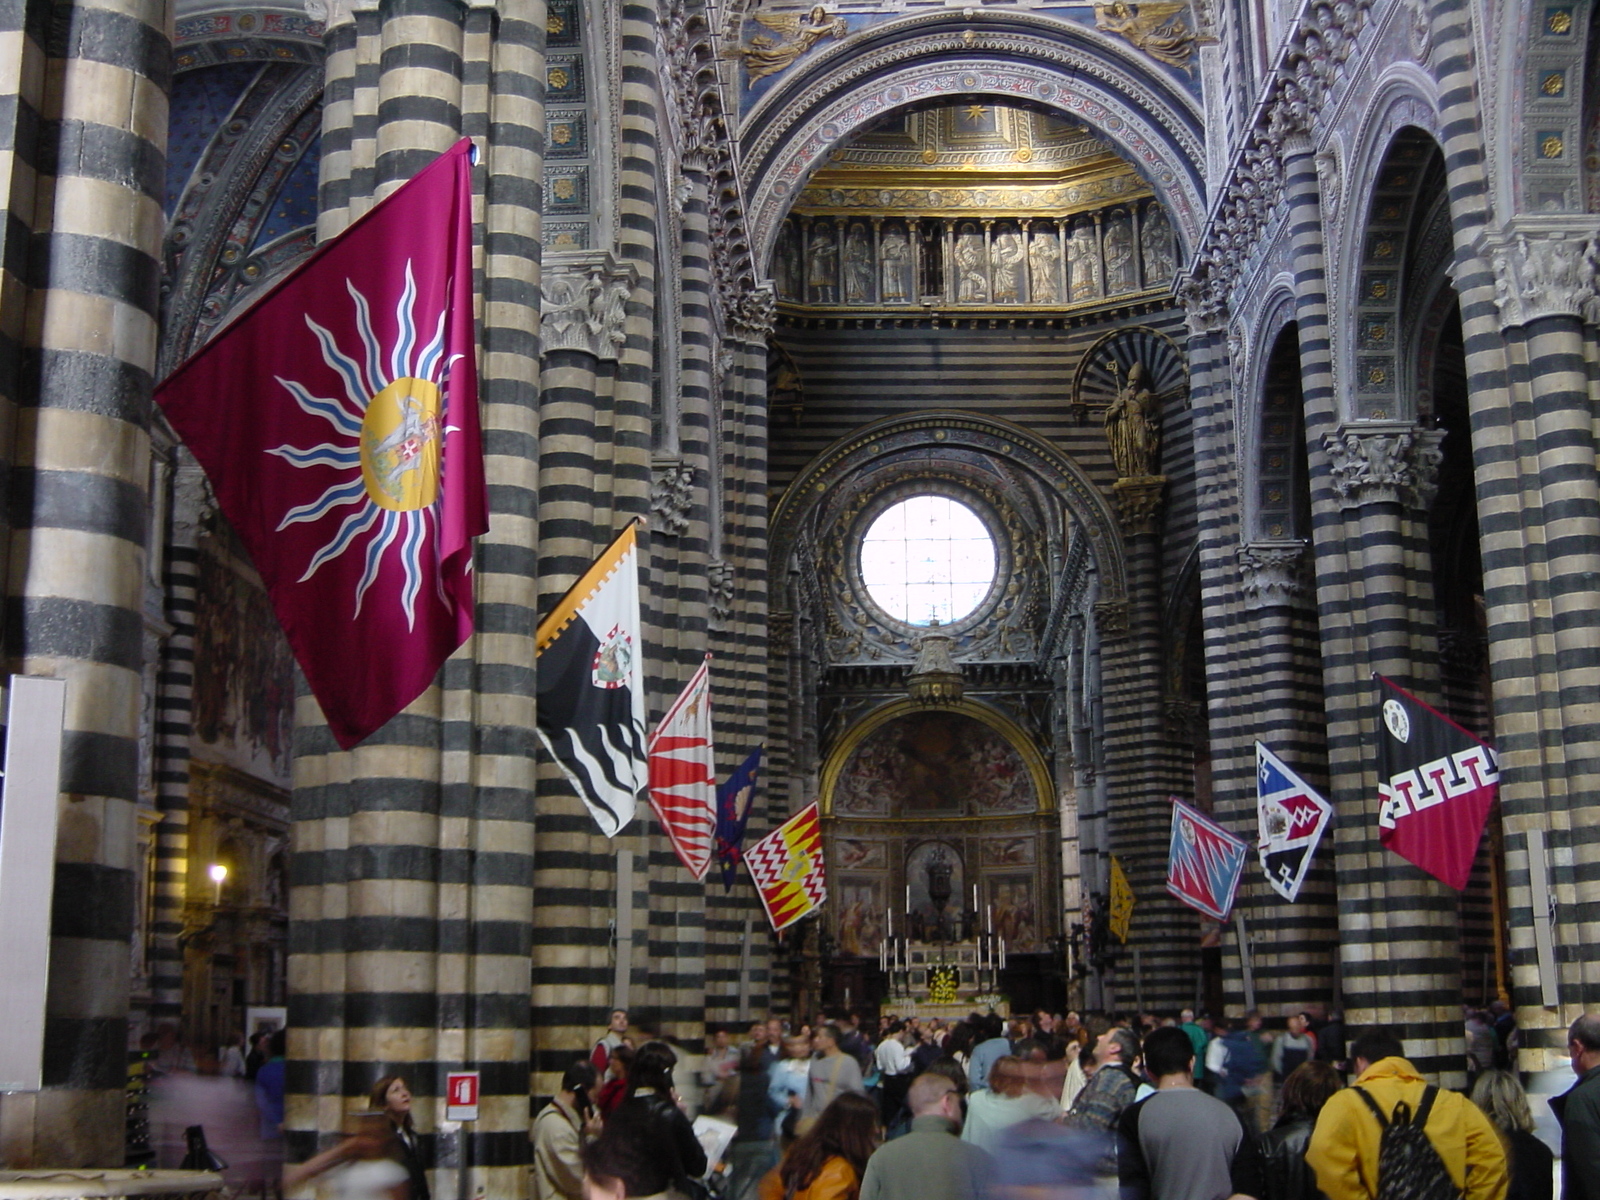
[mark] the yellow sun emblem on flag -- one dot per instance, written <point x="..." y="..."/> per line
<point x="387" y="442"/>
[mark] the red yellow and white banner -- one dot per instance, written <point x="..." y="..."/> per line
<point x="787" y="868"/>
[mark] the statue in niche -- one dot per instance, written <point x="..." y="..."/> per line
<point x="1043" y="257"/>
<point x="1119" y="255"/>
<point x="786" y="267"/>
<point x="1008" y="256"/>
<point x="1156" y="237"/>
<point x="857" y="265"/>
<point x="797" y="33"/>
<point x="822" y="266"/>
<point x="896" y="267"/>
<point x="1133" y="426"/>
<point x="971" y="286"/>
<point x="1083" y="260"/>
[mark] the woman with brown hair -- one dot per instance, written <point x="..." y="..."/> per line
<point x="1283" y="1148"/>
<point x="392" y="1096"/>
<point x="828" y="1161"/>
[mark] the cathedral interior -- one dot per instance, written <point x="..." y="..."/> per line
<point x="1228" y="353"/>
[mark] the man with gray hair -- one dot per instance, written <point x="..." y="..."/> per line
<point x="1113" y="1086"/>
<point x="1578" y="1110"/>
<point x="930" y="1162"/>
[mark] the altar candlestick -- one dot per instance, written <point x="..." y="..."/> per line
<point x="1002" y="954"/>
<point x="974" y="900"/>
<point x="908" y="899"/>
<point x="988" y="918"/>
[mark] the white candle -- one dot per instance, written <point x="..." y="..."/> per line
<point x="1002" y="954"/>
<point x="988" y="918"/>
<point x="974" y="899"/>
<point x="888" y="915"/>
<point x="908" y="899"/>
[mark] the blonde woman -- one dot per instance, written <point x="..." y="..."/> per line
<point x="1499" y="1094"/>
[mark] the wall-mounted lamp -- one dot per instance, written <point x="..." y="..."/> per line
<point x="218" y="873"/>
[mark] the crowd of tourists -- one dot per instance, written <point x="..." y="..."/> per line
<point x="1145" y="1108"/>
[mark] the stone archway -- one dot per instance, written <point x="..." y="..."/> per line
<point x="1007" y="59"/>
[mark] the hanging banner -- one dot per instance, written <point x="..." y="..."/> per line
<point x="683" y="783"/>
<point x="787" y="868"/>
<point x="1204" y="862"/>
<point x="1292" y="817"/>
<point x="1121" y="902"/>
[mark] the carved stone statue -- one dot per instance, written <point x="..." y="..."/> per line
<point x="971" y="285"/>
<point x="1155" y="237"/>
<point x="786" y="263"/>
<point x="1083" y="259"/>
<point x="822" y="266"/>
<point x="857" y="266"/>
<point x="1119" y="255"/>
<point x="796" y="32"/>
<point x="1008" y="255"/>
<point x="1043" y="260"/>
<point x="896" y="267"/>
<point x="1133" y="426"/>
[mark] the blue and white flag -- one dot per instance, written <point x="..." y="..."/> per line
<point x="1292" y="817"/>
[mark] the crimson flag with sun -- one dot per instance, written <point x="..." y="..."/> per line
<point x="338" y="423"/>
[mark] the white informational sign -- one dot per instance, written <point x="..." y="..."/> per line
<point x="461" y="1096"/>
<point x="29" y="806"/>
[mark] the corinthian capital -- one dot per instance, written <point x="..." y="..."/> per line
<point x="1375" y="462"/>
<point x="585" y="303"/>
<point x="752" y="313"/>
<point x="1546" y="276"/>
<point x="1273" y="572"/>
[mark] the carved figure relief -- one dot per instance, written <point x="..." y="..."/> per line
<point x="1083" y="261"/>
<point x="786" y="263"/>
<point x="896" y="271"/>
<point x="796" y="33"/>
<point x="971" y="285"/>
<point x="1159" y="29"/>
<point x="1119" y="255"/>
<point x="1008" y="256"/>
<point x="857" y="265"/>
<point x="822" y="266"/>
<point x="1133" y="427"/>
<point x="1155" y="237"/>
<point x="1043" y="256"/>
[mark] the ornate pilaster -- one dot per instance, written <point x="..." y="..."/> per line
<point x="1377" y="463"/>
<point x="1273" y="572"/>
<point x="719" y="584"/>
<point x="585" y="303"/>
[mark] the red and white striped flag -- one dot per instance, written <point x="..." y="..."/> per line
<point x="683" y="781"/>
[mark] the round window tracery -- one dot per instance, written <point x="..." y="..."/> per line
<point x="928" y="558"/>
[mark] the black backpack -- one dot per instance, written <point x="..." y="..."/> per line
<point x="1409" y="1168"/>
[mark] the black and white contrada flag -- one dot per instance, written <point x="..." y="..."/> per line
<point x="591" y="686"/>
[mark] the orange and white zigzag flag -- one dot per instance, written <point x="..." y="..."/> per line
<point x="683" y="779"/>
<point x="787" y="868"/>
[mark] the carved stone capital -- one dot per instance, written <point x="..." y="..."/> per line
<point x="1546" y="276"/>
<point x="330" y="12"/>
<point x="1377" y="462"/>
<point x="1111" y="618"/>
<point x="585" y="303"/>
<point x="719" y="584"/>
<point x="1272" y="572"/>
<point x="1204" y="303"/>
<point x="193" y="502"/>
<point x="671" y="494"/>
<point x="752" y="314"/>
<point x="1138" y="502"/>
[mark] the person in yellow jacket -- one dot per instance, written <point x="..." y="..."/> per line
<point x="1344" y="1146"/>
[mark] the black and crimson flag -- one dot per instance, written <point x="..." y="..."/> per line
<point x="1436" y="782"/>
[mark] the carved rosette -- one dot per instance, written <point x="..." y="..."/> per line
<point x="1551" y="276"/>
<point x="1273" y="572"/>
<point x="719" y="587"/>
<point x="1375" y="464"/>
<point x="671" y="494"/>
<point x="1111" y="618"/>
<point x="585" y="305"/>
<point x="1138" y="502"/>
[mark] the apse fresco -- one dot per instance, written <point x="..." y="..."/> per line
<point x="1013" y="910"/>
<point x="934" y="764"/>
